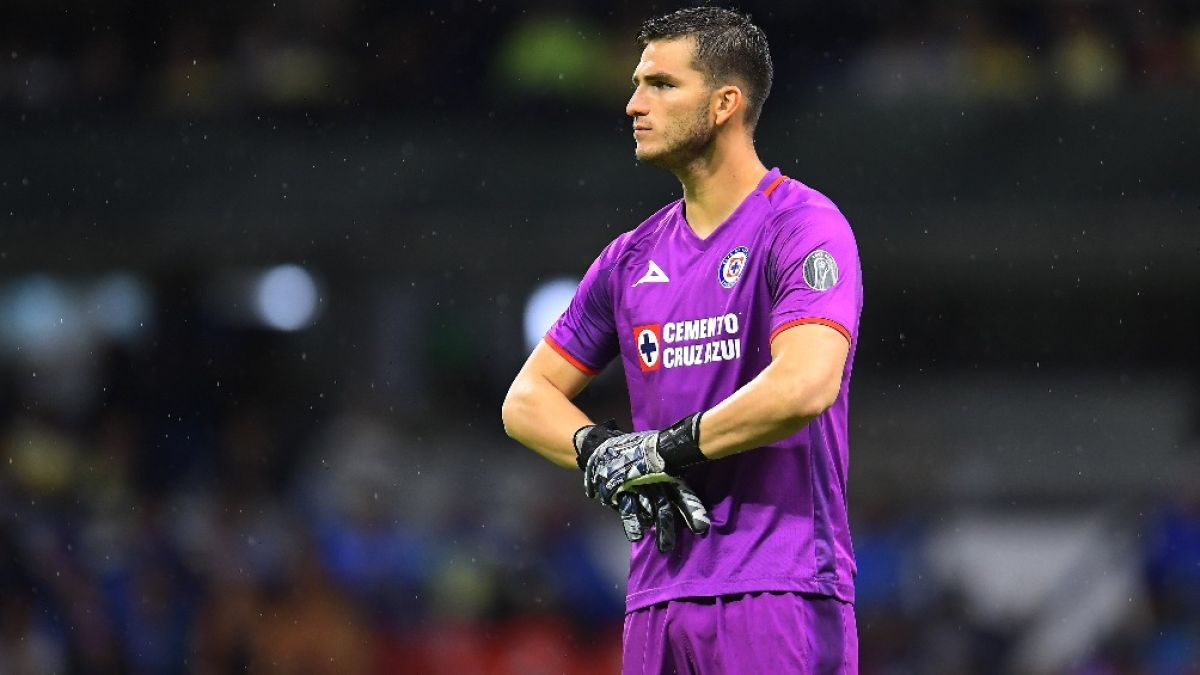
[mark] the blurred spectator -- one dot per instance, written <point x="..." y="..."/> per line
<point x="305" y="626"/>
<point x="1088" y="63"/>
<point x="196" y="78"/>
<point x="1000" y="66"/>
<point x="557" y="56"/>
<point x="1173" y="580"/>
<point x="27" y="647"/>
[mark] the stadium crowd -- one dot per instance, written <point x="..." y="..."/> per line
<point x="185" y="502"/>
<point x="314" y="55"/>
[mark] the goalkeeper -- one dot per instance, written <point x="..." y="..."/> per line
<point x="734" y="315"/>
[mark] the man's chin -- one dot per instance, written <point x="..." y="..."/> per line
<point x="646" y="156"/>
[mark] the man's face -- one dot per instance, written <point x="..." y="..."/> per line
<point x="670" y="105"/>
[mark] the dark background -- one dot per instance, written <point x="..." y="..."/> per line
<point x="185" y="489"/>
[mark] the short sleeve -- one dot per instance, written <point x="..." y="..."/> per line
<point x="585" y="335"/>
<point x="813" y="272"/>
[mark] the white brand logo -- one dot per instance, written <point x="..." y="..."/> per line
<point x="654" y="275"/>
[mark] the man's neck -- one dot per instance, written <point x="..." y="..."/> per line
<point x="715" y="184"/>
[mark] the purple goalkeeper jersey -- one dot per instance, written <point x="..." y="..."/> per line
<point x="692" y="321"/>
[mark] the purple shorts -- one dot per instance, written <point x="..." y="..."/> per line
<point x="747" y="634"/>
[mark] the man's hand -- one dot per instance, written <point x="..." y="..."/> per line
<point x="640" y="458"/>
<point x="657" y="504"/>
<point x="647" y="505"/>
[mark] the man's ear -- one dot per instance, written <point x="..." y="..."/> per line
<point x="727" y="101"/>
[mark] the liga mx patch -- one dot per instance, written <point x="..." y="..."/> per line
<point x="647" y="341"/>
<point x="820" y="270"/>
<point x="732" y="266"/>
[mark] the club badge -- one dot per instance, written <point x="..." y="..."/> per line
<point x="647" y="340"/>
<point x="820" y="270"/>
<point x="732" y="266"/>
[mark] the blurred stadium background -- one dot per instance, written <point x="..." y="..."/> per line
<point x="265" y="271"/>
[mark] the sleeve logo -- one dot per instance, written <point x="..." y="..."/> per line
<point x="820" y="270"/>
<point x="647" y="339"/>
<point x="732" y="266"/>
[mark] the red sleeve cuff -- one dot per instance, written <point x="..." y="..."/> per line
<point x="580" y="365"/>
<point x="824" y="322"/>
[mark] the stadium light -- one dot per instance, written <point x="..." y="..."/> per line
<point x="286" y="298"/>
<point x="37" y="313"/>
<point x="545" y="304"/>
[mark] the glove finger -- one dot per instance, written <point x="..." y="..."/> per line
<point x="664" y="519"/>
<point x="631" y="520"/>
<point x="695" y="514"/>
<point x="633" y="501"/>
<point x="645" y="507"/>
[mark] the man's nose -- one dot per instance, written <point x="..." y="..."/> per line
<point x="636" y="106"/>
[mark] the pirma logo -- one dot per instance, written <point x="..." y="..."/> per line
<point x="647" y="341"/>
<point x="732" y="266"/>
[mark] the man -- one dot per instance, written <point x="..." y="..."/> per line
<point x="734" y="312"/>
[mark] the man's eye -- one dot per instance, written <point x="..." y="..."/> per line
<point x="664" y="85"/>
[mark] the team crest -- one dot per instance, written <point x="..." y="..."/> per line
<point x="820" y="270"/>
<point x="732" y="266"/>
<point x="647" y="340"/>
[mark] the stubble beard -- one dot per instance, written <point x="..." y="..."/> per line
<point x="691" y="142"/>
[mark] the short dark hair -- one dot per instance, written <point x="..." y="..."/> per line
<point x="728" y="46"/>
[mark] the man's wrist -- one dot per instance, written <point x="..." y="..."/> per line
<point x="589" y="437"/>
<point x="679" y="445"/>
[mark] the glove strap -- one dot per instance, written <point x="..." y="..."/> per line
<point x="679" y="445"/>
<point x="588" y="438"/>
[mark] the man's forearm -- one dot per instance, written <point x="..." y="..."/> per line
<point x="801" y="382"/>
<point x="541" y="418"/>
<point x="763" y="411"/>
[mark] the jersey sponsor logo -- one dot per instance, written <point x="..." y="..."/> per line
<point x="732" y="266"/>
<point x="712" y="339"/>
<point x="820" y="270"/>
<point x="648" y="341"/>
<point x="654" y="275"/>
<point x="702" y="353"/>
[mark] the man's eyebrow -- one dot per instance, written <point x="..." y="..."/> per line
<point x="656" y="77"/>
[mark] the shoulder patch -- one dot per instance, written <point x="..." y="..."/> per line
<point x="820" y="270"/>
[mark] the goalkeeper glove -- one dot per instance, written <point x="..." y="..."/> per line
<point x="642" y="457"/>
<point x="641" y="507"/>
